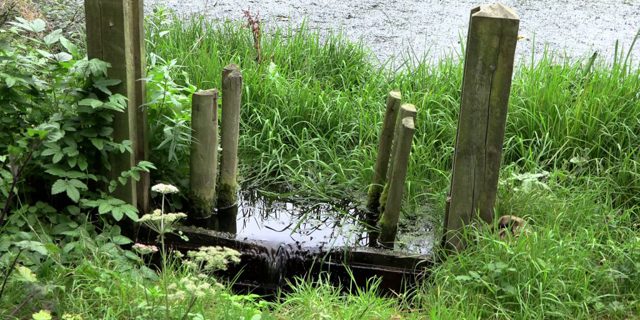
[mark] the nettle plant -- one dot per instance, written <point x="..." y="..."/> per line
<point x="56" y="118"/>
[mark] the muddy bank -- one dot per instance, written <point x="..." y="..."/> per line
<point x="433" y="28"/>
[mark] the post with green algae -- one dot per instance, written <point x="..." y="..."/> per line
<point x="406" y="110"/>
<point x="231" y="101"/>
<point x="486" y="84"/>
<point x="382" y="161"/>
<point x="204" y="153"/>
<point x="389" y="221"/>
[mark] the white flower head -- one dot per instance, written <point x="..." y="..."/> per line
<point x="164" y="188"/>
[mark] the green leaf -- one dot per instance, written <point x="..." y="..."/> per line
<point x="120" y="240"/>
<point x="103" y="85"/>
<point x="73" y="193"/>
<point x="98" y="143"/>
<point x="33" y="246"/>
<point x="59" y="186"/>
<point x="42" y="315"/>
<point x="72" y="48"/>
<point x="117" y="214"/>
<point x="52" y="37"/>
<point x="26" y="275"/>
<point x="82" y="163"/>
<point x="104" y="207"/>
<point x="93" y="103"/>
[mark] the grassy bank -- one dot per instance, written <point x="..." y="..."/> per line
<point x="310" y="120"/>
<point x="311" y="114"/>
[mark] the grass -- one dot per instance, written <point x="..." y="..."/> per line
<point x="310" y="122"/>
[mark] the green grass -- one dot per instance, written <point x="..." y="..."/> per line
<point x="310" y="122"/>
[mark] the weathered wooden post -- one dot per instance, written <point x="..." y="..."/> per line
<point x="488" y="67"/>
<point x="141" y="146"/>
<point x="231" y="101"/>
<point x="204" y="153"/>
<point x="113" y="35"/>
<point x="406" y="110"/>
<point x="384" y="151"/>
<point x="394" y="100"/>
<point x="389" y="221"/>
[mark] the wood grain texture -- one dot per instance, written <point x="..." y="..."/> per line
<point x="204" y="153"/>
<point x="488" y="68"/>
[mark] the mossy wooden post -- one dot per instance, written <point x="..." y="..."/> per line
<point x="231" y="101"/>
<point x="406" y="110"/>
<point x="384" y="151"/>
<point x="389" y="221"/>
<point x="204" y="153"/>
<point x="111" y="37"/>
<point x="394" y="100"/>
<point x="488" y="67"/>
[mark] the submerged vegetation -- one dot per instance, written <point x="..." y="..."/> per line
<point x="312" y="111"/>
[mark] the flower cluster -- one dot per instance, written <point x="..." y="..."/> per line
<point x="195" y="286"/>
<point x="164" y="188"/>
<point x="144" y="249"/>
<point x="159" y="222"/>
<point x="212" y="258"/>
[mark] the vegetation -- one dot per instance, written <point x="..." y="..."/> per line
<point x="312" y="109"/>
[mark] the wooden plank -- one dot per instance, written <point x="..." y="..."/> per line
<point x="488" y="68"/>
<point x="109" y="30"/>
<point x="204" y="153"/>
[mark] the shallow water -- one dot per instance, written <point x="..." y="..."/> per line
<point x="317" y="225"/>
<point x="433" y="28"/>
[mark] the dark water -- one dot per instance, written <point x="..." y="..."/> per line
<point x="311" y="225"/>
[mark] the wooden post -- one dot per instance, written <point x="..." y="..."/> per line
<point x="111" y="38"/>
<point x="384" y="151"/>
<point x="394" y="100"/>
<point x="231" y="100"/>
<point x="488" y="67"/>
<point x="141" y="146"/>
<point x="406" y="110"/>
<point x="204" y="153"/>
<point x="389" y="220"/>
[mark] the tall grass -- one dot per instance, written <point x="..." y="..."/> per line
<point x="310" y="122"/>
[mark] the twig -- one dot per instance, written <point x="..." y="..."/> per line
<point x="8" y="273"/>
<point x="16" y="177"/>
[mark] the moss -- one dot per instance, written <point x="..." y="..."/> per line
<point x="227" y="195"/>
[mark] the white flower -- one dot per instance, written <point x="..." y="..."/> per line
<point x="164" y="188"/>
<point x="144" y="249"/>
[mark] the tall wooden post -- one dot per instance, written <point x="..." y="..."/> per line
<point x="111" y="37"/>
<point x="389" y="220"/>
<point x="488" y="67"/>
<point x="141" y="145"/>
<point x="231" y="101"/>
<point x="204" y="153"/>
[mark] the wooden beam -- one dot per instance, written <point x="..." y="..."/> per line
<point x="110" y="37"/>
<point x="488" y="67"/>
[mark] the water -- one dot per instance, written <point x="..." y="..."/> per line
<point x="311" y="225"/>
<point x="433" y="28"/>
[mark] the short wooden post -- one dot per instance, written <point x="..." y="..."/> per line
<point x="231" y="101"/>
<point x="384" y="151"/>
<point x="406" y="110"/>
<point x="389" y="221"/>
<point x="111" y="38"/>
<point x="204" y="153"/>
<point x="488" y="67"/>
